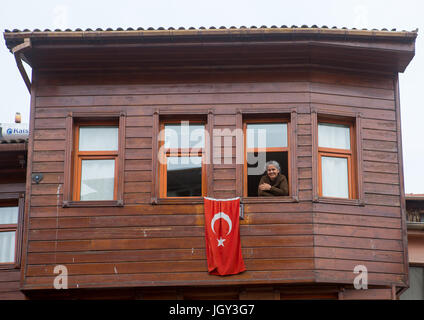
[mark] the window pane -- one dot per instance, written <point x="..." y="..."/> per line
<point x="7" y="246"/>
<point x="184" y="135"/>
<point x="9" y="215"/>
<point x="97" y="179"/>
<point x="98" y="138"/>
<point x="335" y="181"/>
<point x="333" y="136"/>
<point x="269" y="135"/>
<point x="184" y="176"/>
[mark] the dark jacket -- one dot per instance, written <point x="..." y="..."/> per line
<point x="279" y="187"/>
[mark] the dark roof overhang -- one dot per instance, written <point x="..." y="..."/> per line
<point x="370" y="50"/>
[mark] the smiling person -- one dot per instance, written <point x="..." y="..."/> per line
<point x="273" y="183"/>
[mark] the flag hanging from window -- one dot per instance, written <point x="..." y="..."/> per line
<point x="222" y="232"/>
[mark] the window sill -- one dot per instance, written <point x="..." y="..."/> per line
<point x="92" y="204"/>
<point x="192" y="200"/>
<point x="281" y="199"/>
<point x="9" y="266"/>
<point x="350" y="202"/>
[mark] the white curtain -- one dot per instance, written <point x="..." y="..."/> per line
<point x="9" y="215"/>
<point x="333" y="136"/>
<point x="184" y="135"/>
<point x="335" y="181"/>
<point x="98" y="138"/>
<point x="7" y="246"/>
<point x="97" y="179"/>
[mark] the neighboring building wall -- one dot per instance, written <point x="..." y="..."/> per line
<point x="415" y="210"/>
<point x="12" y="191"/>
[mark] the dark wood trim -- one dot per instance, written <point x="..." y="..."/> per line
<point x="358" y="158"/>
<point x="69" y="155"/>
<point x="401" y="179"/>
<point x="294" y="186"/>
<point x="182" y="200"/>
<point x="93" y="204"/>
<point x="315" y="179"/>
<point x="121" y="157"/>
<point x="209" y="153"/>
<point x="28" y="190"/>
<point x="21" y="146"/>
<point x="155" y="171"/>
<point x="283" y="199"/>
<point x="282" y="111"/>
<point x="240" y="153"/>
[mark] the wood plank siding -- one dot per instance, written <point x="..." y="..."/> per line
<point x="144" y="244"/>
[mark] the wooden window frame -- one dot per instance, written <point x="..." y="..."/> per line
<point x="204" y="115"/>
<point x="15" y="200"/>
<point x="260" y="115"/>
<point x="73" y="158"/>
<point x="353" y="155"/>
<point x="179" y="152"/>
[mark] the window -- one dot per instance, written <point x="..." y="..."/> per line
<point x="182" y="159"/>
<point x="11" y="212"/>
<point x="96" y="152"/>
<point x="265" y="140"/>
<point x="336" y="160"/>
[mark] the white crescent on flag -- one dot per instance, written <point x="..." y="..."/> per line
<point x="221" y="215"/>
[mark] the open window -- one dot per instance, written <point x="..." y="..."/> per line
<point x="265" y="140"/>
<point x="336" y="159"/>
<point x="182" y="166"/>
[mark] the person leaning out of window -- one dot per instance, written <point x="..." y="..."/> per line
<point x="273" y="183"/>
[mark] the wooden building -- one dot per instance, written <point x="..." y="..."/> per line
<point x="109" y="198"/>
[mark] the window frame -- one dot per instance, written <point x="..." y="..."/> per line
<point x="278" y="120"/>
<point x="179" y="152"/>
<point x="15" y="200"/>
<point x="354" y="155"/>
<point x="72" y="179"/>
<point x="285" y="112"/>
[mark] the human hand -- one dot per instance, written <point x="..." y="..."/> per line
<point x="264" y="187"/>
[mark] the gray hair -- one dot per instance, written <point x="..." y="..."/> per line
<point x="274" y="163"/>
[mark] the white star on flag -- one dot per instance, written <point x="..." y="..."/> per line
<point x="220" y="242"/>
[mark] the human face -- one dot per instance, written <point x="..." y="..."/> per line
<point x="272" y="171"/>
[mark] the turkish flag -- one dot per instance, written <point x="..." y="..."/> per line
<point x="222" y="232"/>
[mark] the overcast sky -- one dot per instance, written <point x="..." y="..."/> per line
<point x="402" y="15"/>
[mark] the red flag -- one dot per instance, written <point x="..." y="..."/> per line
<point x="222" y="233"/>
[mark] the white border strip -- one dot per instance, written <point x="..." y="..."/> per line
<point x="213" y="199"/>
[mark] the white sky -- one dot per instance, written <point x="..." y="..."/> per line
<point x="402" y="15"/>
